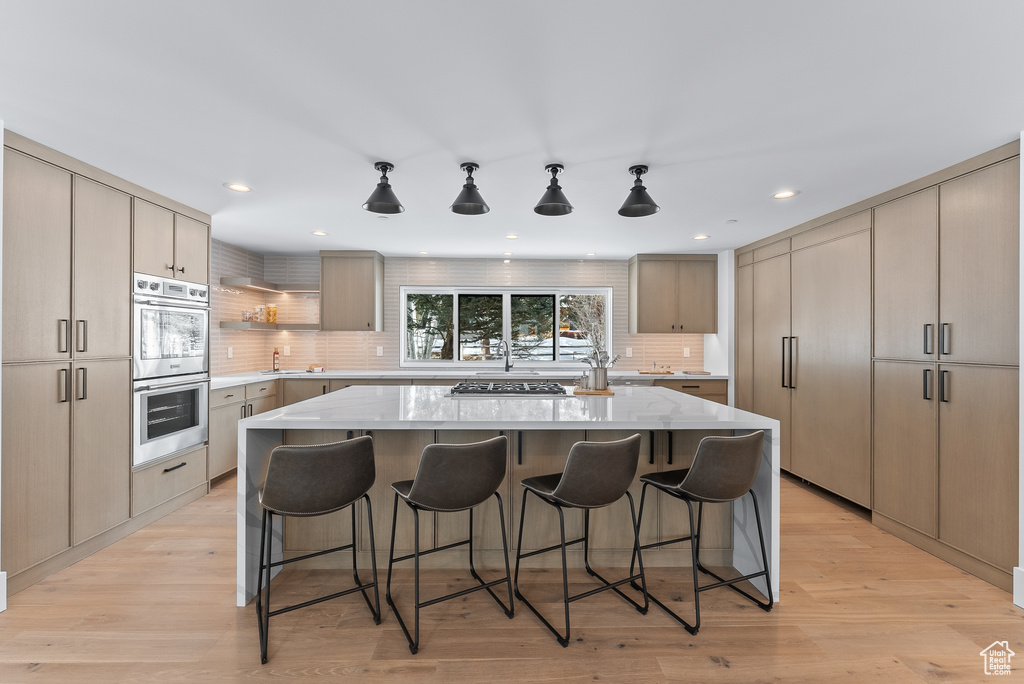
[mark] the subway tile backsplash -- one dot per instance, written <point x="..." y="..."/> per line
<point x="253" y="350"/>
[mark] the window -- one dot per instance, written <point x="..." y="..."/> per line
<point x="466" y="326"/>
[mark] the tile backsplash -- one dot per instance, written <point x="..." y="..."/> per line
<point x="253" y="350"/>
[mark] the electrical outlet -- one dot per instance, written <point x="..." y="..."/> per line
<point x="629" y="352"/>
<point x="231" y="352"/>
<point x="686" y="352"/>
<point x="380" y="351"/>
<point x="287" y="350"/>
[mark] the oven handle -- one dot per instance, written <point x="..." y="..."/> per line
<point x="184" y="303"/>
<point x="146" y="388"/>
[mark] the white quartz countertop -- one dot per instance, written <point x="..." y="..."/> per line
<point x="222" y="381"/>
<point x="431" y="407"/>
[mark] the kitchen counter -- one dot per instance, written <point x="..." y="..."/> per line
<point x="425" y="407"/>
<point x="615" y="376"/>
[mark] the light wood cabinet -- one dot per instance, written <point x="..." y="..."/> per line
<point x="538" y="453"/>
<point x="101" y="446"/>
<point x="829" y="373"/>
<point x="743" y="381"/>
<point x="300" y="390"/>
<point x="227" y="407"/>
<point x="37" y="259"/>
<point x="351" y="291"/>
<point x="771" y="346"/>
<point x="169" y="244"/>
<point x="712" y="390"/>
<point x="36" y="463"/>
<point x="159" y="482"/>
<point x="453" y="527"/>
<point x="673" y="293"/>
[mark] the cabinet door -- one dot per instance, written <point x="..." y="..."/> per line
<point x="103" y="271"/>
<point x="36" y="463"/>
<point x="101" y="450"/>
<point x="396" y="454"/>
<point x="906" y="247"/>
<point x="300" y="390"/>
<point x="37" y="259"/>
<point x="453" y="527"/>
<point x="979" y="255"/>
<point x="544" y="452"/>
<point x="261" y="405"/>
<point x="153" y="228"/>
<point x="657" y="296"/>
<point x="906" y="467"/>
<point x="771" y="327"/>
<point x="223" y="453"/>
<point x="611" y="527"/>
<point x="831" y="379"/>
<point x="744" y="392"/>
<point x="978" y="462"/>
<point x="191" y="250"/>
<point x="697" y="292"/>
<point x="348" y="293"/>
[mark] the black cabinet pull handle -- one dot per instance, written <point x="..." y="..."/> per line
<point x="348" y="435"/>
<point x="929" y="343"/>
<point x="324" y="389"/>
<point x="784" y="341"/>
<point x="171" y="267"/>
<point x="228" y="396"/>
<point x="83" y="384"/>
<point x="650" y="444"/>
<point x="792" y="361"/>
<point x="63" y="336"/>
<point x="946" y="339"/>
<point x="62" y="390"/>
<point x="944" y="388"/>
<point x="243" y="411"/>
<point x="82" y="332"/>
<point x="181" y="270"/>
<point x="927" y="380"/>
<point x="180" y="465"/>
<point x="670" y="447"/>
<point x="519" y="447"/>
<point x="250" y="409"/>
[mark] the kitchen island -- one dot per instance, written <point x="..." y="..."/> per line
<point x="403" y="419"/>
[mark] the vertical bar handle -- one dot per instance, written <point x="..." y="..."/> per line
<point x="792" y="361"/>
<point x="650" y="444"/>
<point x="82" y="380"/>
<point x="946" y="340"/>
<point x="670" y="447"/>
<point x="929" y="338"/>
<point x="63" y="335"/>
<point x="944" y="387"/>
<point x="82" y="335"/>
<point x="927" y="381"/>
<point x="243" y="411"/>
<point x="250" y="409"/>
<point x="348" y="435"/>
<point x="784" y="341"/>
<point x="63" y="391"/>
<point x="519" y="447"/>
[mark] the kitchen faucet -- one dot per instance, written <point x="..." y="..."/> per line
<point x="508" y="354"/>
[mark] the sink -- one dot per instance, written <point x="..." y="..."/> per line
<point x="503" y="374"/>
<point x="284" y="372"/>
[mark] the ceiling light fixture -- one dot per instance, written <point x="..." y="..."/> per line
<point x="638" y="202"/>
<point x="591" y="254"/>
<point x="383" y="200"/>
<point x="511" y="237"/>
<point x="553" y="201"/>
<point x="506" y="253"/>
<point x="785" y="194"/>
<point x="238" y="187"/>
<point x="469" y="201"/>
<point x="701" y="237"/>
<point x="319" y="233"/>
<point x="424" y="253"/>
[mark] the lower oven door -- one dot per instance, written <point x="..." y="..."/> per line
<point x="169" y="417"/>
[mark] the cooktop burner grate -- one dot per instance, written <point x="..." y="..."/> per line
<point x="508" y="388"/>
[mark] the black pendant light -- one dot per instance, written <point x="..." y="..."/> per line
<point x="638" y="202"/>
<point x="469" y="200"/>
<point x="383" y="200"/>
<point x="553" y="202"/>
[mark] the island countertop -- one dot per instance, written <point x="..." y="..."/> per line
<point x="431" y="407"/>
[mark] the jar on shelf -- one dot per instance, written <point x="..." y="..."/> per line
<point x="260" y="314"/>
<point x="271" y="313"/>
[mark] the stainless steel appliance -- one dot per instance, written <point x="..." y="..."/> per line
<point x="171" y="326"/>
<point x="169" y="415"/>
<point x="513" y="389"/>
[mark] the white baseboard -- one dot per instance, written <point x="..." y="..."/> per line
<point x="1018" y="587"/>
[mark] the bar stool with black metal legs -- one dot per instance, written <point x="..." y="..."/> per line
<point x="451" y="478"/>
<point x="723" y="469"/>
<point x="597" y="474"/>
<point x="307" y="481"/>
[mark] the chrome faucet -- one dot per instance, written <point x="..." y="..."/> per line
<point x="508" y="355"/>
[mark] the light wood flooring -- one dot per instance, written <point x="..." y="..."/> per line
<point x="857" y="604"/>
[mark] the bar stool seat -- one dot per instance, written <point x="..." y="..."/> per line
<point x="307" y="481"/>
<point x="451" y="478"/>
<point x="723" y="469"/>
<point x="597" y="474"/>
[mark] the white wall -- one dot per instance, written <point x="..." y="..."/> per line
<point x="1018" y="572"/>
<point x="3" y="575"/>
<point x="718" y="348"/>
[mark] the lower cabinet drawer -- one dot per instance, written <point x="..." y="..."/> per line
<point x="160" y="482"/>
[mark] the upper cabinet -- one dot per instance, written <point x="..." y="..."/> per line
<point x="351" y="290"/>
<point x="170" y="245"/>
<point x="673" y="293"/>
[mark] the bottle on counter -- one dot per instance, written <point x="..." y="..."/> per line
<point x="277" y="360"/>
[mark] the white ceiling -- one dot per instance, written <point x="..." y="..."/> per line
<point x="727" y="102"/>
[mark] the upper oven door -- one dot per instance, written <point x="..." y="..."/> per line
<point x="171" y="338"/>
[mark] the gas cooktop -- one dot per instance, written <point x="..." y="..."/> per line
<point x="515" y="389"/>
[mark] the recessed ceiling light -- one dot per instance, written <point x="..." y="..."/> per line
<point x="506" y="253"/>
<point x="319" y="233"/>
<point x="511" y="237"/>
<point x="701" y="237"/>
<point x="424" y="253"/>
<point x="591" y="254"/>
<point x="238" y="187"/>
<point x="785" y="194"/>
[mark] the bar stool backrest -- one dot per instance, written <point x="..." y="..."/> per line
<point x="454" y="477"/>
<point x="724" y="468"/>
<point x="598" y="473"/>
<point x="317" y="479"/>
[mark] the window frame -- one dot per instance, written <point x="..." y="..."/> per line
<point x="506" y="323"/>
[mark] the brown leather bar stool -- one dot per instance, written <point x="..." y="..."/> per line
<point x="451" y="478"/>
<point x="597" y="474"/>
<point x="723" y="469"/>
<point x="306" y="481"/>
